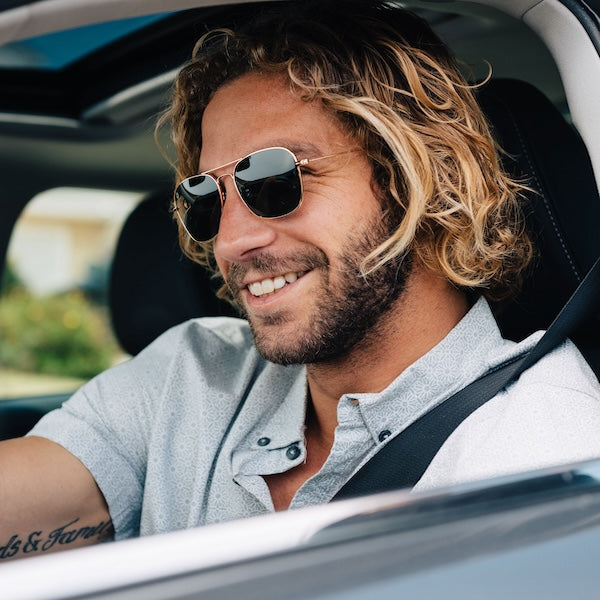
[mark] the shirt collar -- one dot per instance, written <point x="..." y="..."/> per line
<point x="285" y="425"/>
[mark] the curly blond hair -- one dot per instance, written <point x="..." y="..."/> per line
<point x="397" y="90"/>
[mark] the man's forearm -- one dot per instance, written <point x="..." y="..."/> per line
<point x="48" y="500"/>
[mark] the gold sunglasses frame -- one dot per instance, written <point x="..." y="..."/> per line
<point x="223" y="193"/>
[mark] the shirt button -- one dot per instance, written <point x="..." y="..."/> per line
<point x="384" y="435"/>
<point x="264" y="441"/>
<point x="293" y="452"/>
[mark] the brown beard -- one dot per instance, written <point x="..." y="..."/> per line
<point x="345" y="315"/>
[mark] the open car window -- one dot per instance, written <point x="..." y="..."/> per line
<point x="54" y="318"/>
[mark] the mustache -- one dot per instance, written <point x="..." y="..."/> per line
<point x="268" y="264"/>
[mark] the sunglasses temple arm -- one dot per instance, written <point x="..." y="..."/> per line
<point x="305" y="161"/>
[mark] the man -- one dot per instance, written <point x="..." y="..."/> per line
<point x="333" y="162"/>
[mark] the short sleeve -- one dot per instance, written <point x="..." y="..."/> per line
<point x="107" y="425"/>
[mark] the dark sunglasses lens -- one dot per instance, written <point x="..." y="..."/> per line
<point x="200" y="196"/>
<point x="269" y="182"/>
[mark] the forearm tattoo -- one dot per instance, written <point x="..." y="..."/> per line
<point x="42" y="541"/>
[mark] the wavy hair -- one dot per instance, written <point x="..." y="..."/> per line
<point x="396" y="89"/>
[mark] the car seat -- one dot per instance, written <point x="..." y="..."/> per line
<point x="153" y="286"/>
<point x="562" y="212"/>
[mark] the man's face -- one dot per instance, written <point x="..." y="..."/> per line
<point x="321" y="307"/>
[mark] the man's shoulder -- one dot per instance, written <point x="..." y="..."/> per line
<point x="549" y="416"/>
<point x="206" y="333"/>
<point x="193" y="353"/>
<point x="555" y="399"/>
<point x="563" y="368"/>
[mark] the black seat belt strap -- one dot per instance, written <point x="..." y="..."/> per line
<point x="404" y="459"/>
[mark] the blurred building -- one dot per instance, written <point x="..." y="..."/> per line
<point x="65" y="235"/>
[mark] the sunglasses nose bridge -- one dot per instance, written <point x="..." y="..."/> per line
<point x="221" y="185"/>
<point x="223" y="189"/>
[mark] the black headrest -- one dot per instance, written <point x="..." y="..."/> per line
<point x="564" y="212"/>
<point x="152" y="285"/>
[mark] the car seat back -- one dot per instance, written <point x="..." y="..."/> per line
<point x="563" y="211"/>
<point x="153" y="286"/>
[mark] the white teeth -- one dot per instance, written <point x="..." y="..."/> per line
<point x="278" y="282"/>
<point x="255" y="288"/>
<point x="268" y="286"/>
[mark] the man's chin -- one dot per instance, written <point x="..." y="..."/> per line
<point x="295" y="345"/>
<point x="275" y="341"/>
<point x="268" y="324"/>
<point x="276" y="351"/>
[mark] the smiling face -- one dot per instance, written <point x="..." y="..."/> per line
<point x="298" y="277"/>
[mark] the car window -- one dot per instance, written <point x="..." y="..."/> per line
<point x="54" y="321"/>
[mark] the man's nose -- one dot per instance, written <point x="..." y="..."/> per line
<point x="241" y="233"/>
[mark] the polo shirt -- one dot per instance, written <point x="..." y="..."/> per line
<point x="182" y="434"/>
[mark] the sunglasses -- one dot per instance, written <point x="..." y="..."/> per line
<point x="268" y="181"/>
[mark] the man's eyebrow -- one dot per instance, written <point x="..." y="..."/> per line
<point x="300" y="149"/>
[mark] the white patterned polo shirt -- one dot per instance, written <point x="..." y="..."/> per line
<point x="182" y="434"/>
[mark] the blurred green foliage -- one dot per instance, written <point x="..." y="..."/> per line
<point x="64" y="334"/>
<point x="9" y="280"/>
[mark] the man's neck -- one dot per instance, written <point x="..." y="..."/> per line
<point x="425" y="313"/>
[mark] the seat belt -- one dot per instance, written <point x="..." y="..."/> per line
<point x="404" y="459"/>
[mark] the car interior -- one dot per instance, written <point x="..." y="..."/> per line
<point x="87" y="119"/>
<point x="82" y="83"/>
